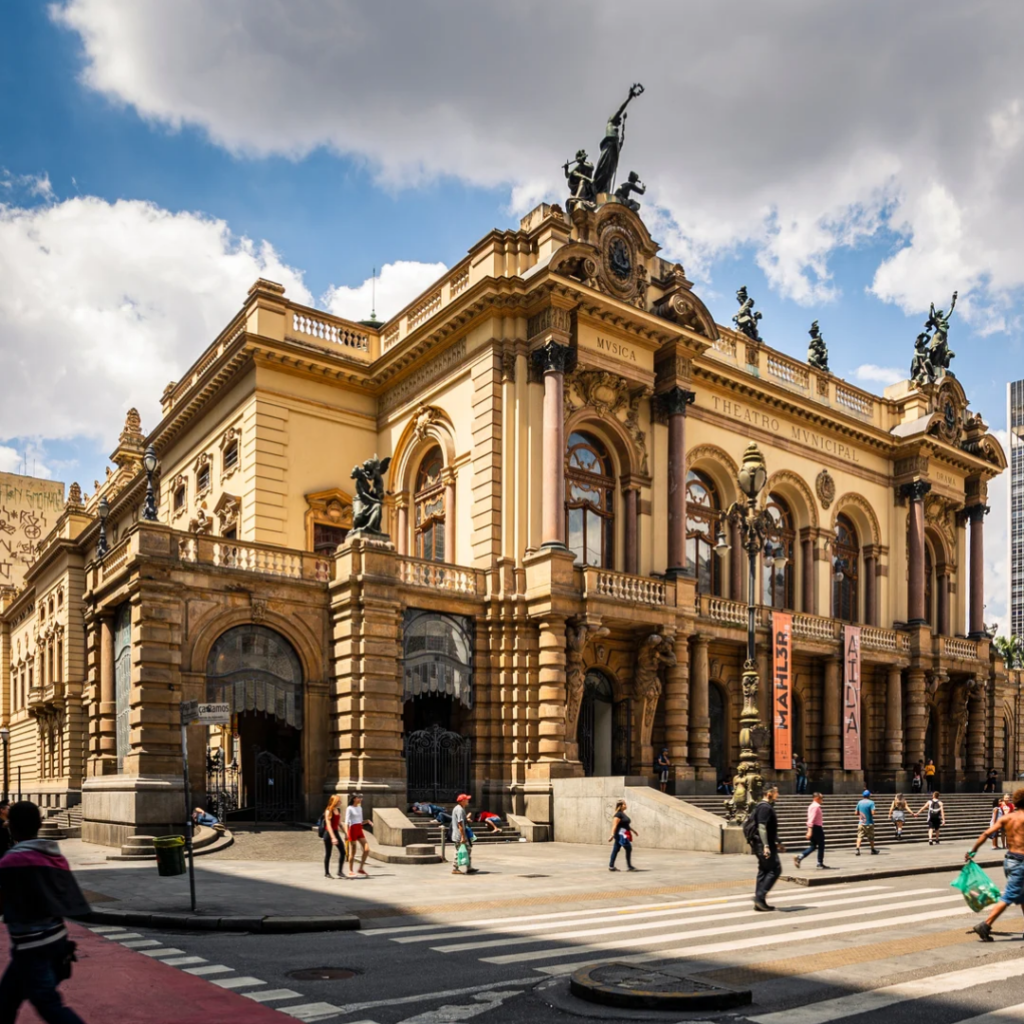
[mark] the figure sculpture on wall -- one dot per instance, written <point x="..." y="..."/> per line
<point x="654" y="652"/>
<point x="817" y="351"/>
<point x="368" y="503"/>
<point x="631" y="184"/>
<point x="580" y="176"/>
<point x="577" y="636"/>
<point x="745" y="318"/>
<point x="611" y="144"/>
<point x="958" y="705"/>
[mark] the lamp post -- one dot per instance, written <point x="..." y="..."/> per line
<point x="757" y="529"/>
<point x="5" y="737"/>
<point x="150" y="464"/>
<point x="104" y="510"/>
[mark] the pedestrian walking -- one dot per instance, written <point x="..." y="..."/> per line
<point x="917" y="781"/>
<point x="865" y="821"/>
<point x="330" y="832"/>
<point x="354" y="834"/>
<point x="898" y="811"/>
<point x="1012" y="827"/>
<point x="461" y="836"/>
<point x="991" y="781"/>
<point x="801" y="774"/>
<point x="769" y="867"/>
<point x="929" y="775"/>
<point x="997" y="813"/>
<point x="815" y="832"/>
<point x="38" y="892"/>
<point x="664" y="766"/>
<point x="936" y="817"/>
<point x="621" y="837"/>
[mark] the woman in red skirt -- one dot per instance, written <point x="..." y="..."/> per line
<point x="354" y="833"/>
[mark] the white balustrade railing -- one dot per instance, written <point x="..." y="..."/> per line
<point x="883" y="639"/>
<point x="957" y="647"/>
<point x="425" y="310"/>
<point x="788" y="372"/>
<point x="816" y="627"/>
<point x="459" y="282"/>
<point x="439" y="576"/>
<point x="623" y="586"/>
<point x="257" y="558"/>
<point x="854" y="401"/>
<point x="326" y="331"/>
<point x="719" y="609"/>
<point x="391" y="335"/>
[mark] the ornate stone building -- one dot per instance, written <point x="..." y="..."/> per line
<point x="559" y="593"/>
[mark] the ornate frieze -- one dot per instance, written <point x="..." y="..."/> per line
<point x="610" y="397"/>
<point x="424" y="376"/>
<point x="825" y="488"/>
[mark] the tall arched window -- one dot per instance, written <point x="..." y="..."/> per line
<point x="429" y="501"/>
<point x="778" y="583"/>
<point x="844" y="591"/>
<point x="589" y="495"/>
<point x="702" y="522"/>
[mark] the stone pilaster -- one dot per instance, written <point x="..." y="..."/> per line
<point x="916" y="721"/>
<point x="700" y="723"/>
<point x="831" y="725"/>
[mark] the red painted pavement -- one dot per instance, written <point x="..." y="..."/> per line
<point x="114" y="985"/>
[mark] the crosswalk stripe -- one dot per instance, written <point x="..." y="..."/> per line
<point x="181" y="961"/>
<point x="201" y="972"/>
<point x="272" y="995"/>
<point x="311" y="1011"/>
<point x="618" y="929"/>
<point x="165" y="951"/>
<point x="754" y="921"/>
<point x="630" y="909"/>
<point x="879" y="998"/>
<point x="737" y="944"/>
<point x="138" y="943"/>
<point x="106" y="929"/>
<point x="998" y="1016"/>
<point x="245" y="982"/>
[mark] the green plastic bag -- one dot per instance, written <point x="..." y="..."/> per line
<point x="462" y="856"/>
<point x="979" y="890"/>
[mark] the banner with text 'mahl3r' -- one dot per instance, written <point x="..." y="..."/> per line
<point x="782" y="689"/>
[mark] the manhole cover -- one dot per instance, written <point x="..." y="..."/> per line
<point x="323" y="973"/>
<point x="534" y="876"/>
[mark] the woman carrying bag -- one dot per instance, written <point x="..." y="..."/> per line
<point x="622" y="836"/>
<point x="330" y="832"/>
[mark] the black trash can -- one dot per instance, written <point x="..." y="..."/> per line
<point x="170" y="854"/>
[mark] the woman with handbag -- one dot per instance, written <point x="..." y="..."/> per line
<point x="329" y="830"/>
<point x="354" y="834"/>
<point x="621" y="837"/>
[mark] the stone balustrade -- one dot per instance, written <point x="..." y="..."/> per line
<point x="621" y="586"/>
<point x="115" y="559"/>
<point x="263" y="559"/>
<point x="720" y="609"/>
<point x="816" y="627"/>
<point x="326" y="328"/>
<point x="876" y="639"/>
<point x="419" y="572"/>
<point x="958" y="647"/>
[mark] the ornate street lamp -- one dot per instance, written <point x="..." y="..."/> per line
<point x="150" y="464"/>
<point x="757" y="534"/>
<point x="104" y="510"/>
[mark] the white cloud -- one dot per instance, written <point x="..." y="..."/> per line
<point x="396" y="285"/>
<point x="773" y="131"/>
<point x="884" y="375"/>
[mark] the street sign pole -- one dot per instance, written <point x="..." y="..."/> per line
<point x="188" y="711"/>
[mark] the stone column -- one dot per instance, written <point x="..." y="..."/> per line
<point x="551" y="691"/>
<point x="916" y="722"/>
<point x="631" y="496"/>
<point x="673" y="405"/>
<point x="700" y="723"/>
<point x="894" y="720"/>
<point x="976" y="721"/>
<point x="765" y="692"/>
<point x="943" y="604"/>
<point x="449" y="516"/>
<point x="976" y="515"/>
<point x="677" y="709"/>
<point x="108" y="699"/>
<point x="831" y="717"/>
<point x="915" y="493"/>
<point x="808" y="567"/>
<point x="402" y="528"/>
<point x="737" y="565"/>
<point x="871" y="586"/>
<point x="553" y="361"/>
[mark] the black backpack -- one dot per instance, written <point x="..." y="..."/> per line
<point x="751" y="834"/>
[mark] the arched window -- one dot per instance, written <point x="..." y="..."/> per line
<point x="429" y="501"/>
<point x="702" y="523"/>
<point x="590" y="486"/>
<point x="844" y="592"/>
<point x="777" y="584"/>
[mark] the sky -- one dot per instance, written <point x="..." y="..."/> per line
<point x="848" y="163"/>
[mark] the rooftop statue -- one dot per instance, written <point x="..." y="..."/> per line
<point x="921" y="369"/>
<point x="631" y="184"/>
<point x="581" y="181"/>
<point x="368" y="503"/>
<point x="817" y="351"/>
<point x="932" y="354"/>
<point x="746" y="319"/>
<point x="611" y="144"/>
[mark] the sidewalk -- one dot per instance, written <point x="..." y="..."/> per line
<point x="111" y="983"/>
<point x="282" y="874"/>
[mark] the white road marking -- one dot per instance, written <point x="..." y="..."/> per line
<point x="245" y="982"/>
<point x="139" y="943"/>
<point x="209" y="969"/>
<point x="762" y="921"/>
<point x="879" y="998"/>
<point x="423" y="996"/>
<point x="619" y="929"/>
<point x="448" y="1014"/>
<point x="181" y="961"/>
<point x="311" y="1011"/>
<point x="998" y="1016"/>
<point x="165" y="951"/>
<point x="269" y="995"/>
<point x="106" y="929"/>
<point x="124" y="935"/>
<point x="764" y="940"/>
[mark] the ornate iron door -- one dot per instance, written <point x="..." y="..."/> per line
<point x="278" y="788"/>
<point x="437" y="764"/>
<point x="221" y="785"/>
<point x="622" y="738"/>
<point x="585" y="734"/>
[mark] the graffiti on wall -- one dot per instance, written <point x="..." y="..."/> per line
<point x="29" y="507"/>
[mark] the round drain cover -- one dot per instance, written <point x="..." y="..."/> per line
<point x="323" y="973"/>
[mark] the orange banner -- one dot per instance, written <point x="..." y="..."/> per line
<point x="782" y="689"/>
<point x="851" y="698"/>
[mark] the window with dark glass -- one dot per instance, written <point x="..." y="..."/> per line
<point x="430" y="511"/>
<point x="846" y="549"/>
<point x="777" y="586"/>
<point x="179" y="497"/>
<point x="589" y="497"/>
<point x="702" y="524"/>
<point x="327" y="538"/>
<point x="231" y="455"/>
<point x="203" y="478"/>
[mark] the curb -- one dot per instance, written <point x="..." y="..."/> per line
<point x="197" y="922"/>
<point x="831" y="878"/>
<point x="626" y="996"/>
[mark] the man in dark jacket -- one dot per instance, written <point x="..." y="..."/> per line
<point x="769" y="867"/>
<point x="38" y="892"/>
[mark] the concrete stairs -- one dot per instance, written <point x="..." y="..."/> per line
<point x="432" y="831"/>
<point x="967" y="815"/>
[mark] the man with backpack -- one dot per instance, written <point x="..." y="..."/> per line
<point x="761" y="831"/>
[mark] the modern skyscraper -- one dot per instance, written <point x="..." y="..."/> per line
<point x="1015" y="425"/>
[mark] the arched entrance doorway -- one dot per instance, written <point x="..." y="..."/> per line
<point x="716" y="713"/>
<point x="605" y="728"/>
<point x="257" y="672"/>
<point x="437" y="691"/>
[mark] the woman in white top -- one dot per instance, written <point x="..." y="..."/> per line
<point x="898" y="814"/>
<point x="354" y="833"/>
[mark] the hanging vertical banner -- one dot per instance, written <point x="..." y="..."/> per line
<point x="851" y="698"/>
<point x="782" y="689"/>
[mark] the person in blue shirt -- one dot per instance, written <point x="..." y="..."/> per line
<point x="866" y="821"/>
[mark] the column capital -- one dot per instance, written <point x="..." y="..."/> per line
<point x="674" y="401"/>
<point x="701" y="639"/>
<point x="976" y="513"/>
<point x="552" y="358"/>
<point x="915" y="490"/>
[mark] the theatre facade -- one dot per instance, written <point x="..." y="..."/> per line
<point x="558" y="425"/>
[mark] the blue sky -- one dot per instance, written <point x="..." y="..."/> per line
<point x="155" y="159"/>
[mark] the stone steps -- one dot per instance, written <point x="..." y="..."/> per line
<point x="484" y="835"/>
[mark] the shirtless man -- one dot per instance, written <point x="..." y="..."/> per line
<point x="1012" y="826"/>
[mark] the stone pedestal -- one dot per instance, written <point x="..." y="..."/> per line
<point x="834" y="780"/>
<point x="115" y="807"/>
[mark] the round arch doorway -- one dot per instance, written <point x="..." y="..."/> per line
<point x="256" y="671"/>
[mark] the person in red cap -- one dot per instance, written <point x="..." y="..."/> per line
<point x="460" y="834"/>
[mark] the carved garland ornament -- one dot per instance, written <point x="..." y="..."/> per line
<point x="825" y="488"/>
<point x="609" y="396"/>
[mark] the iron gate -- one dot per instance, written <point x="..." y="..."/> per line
<point x="622" y="738"/>
<point x="221" y="785"/>
<point x="277" y="792"/>
<point x="585" y="734"/>
<point x="437" y="764"/>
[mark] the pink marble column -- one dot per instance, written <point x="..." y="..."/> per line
<point x="449" y="516"/>
<point x="943" y="602"/>
<point x="915" y="492"/>
<point x="402" y="529"/>
<point x="632" y="501"/>
<point x="673" y="404"/>
<point x="553" y="358"/>
<point x="807" y="580"/>
<point x="976" y="514"/>
<point x="871" y="586"/>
